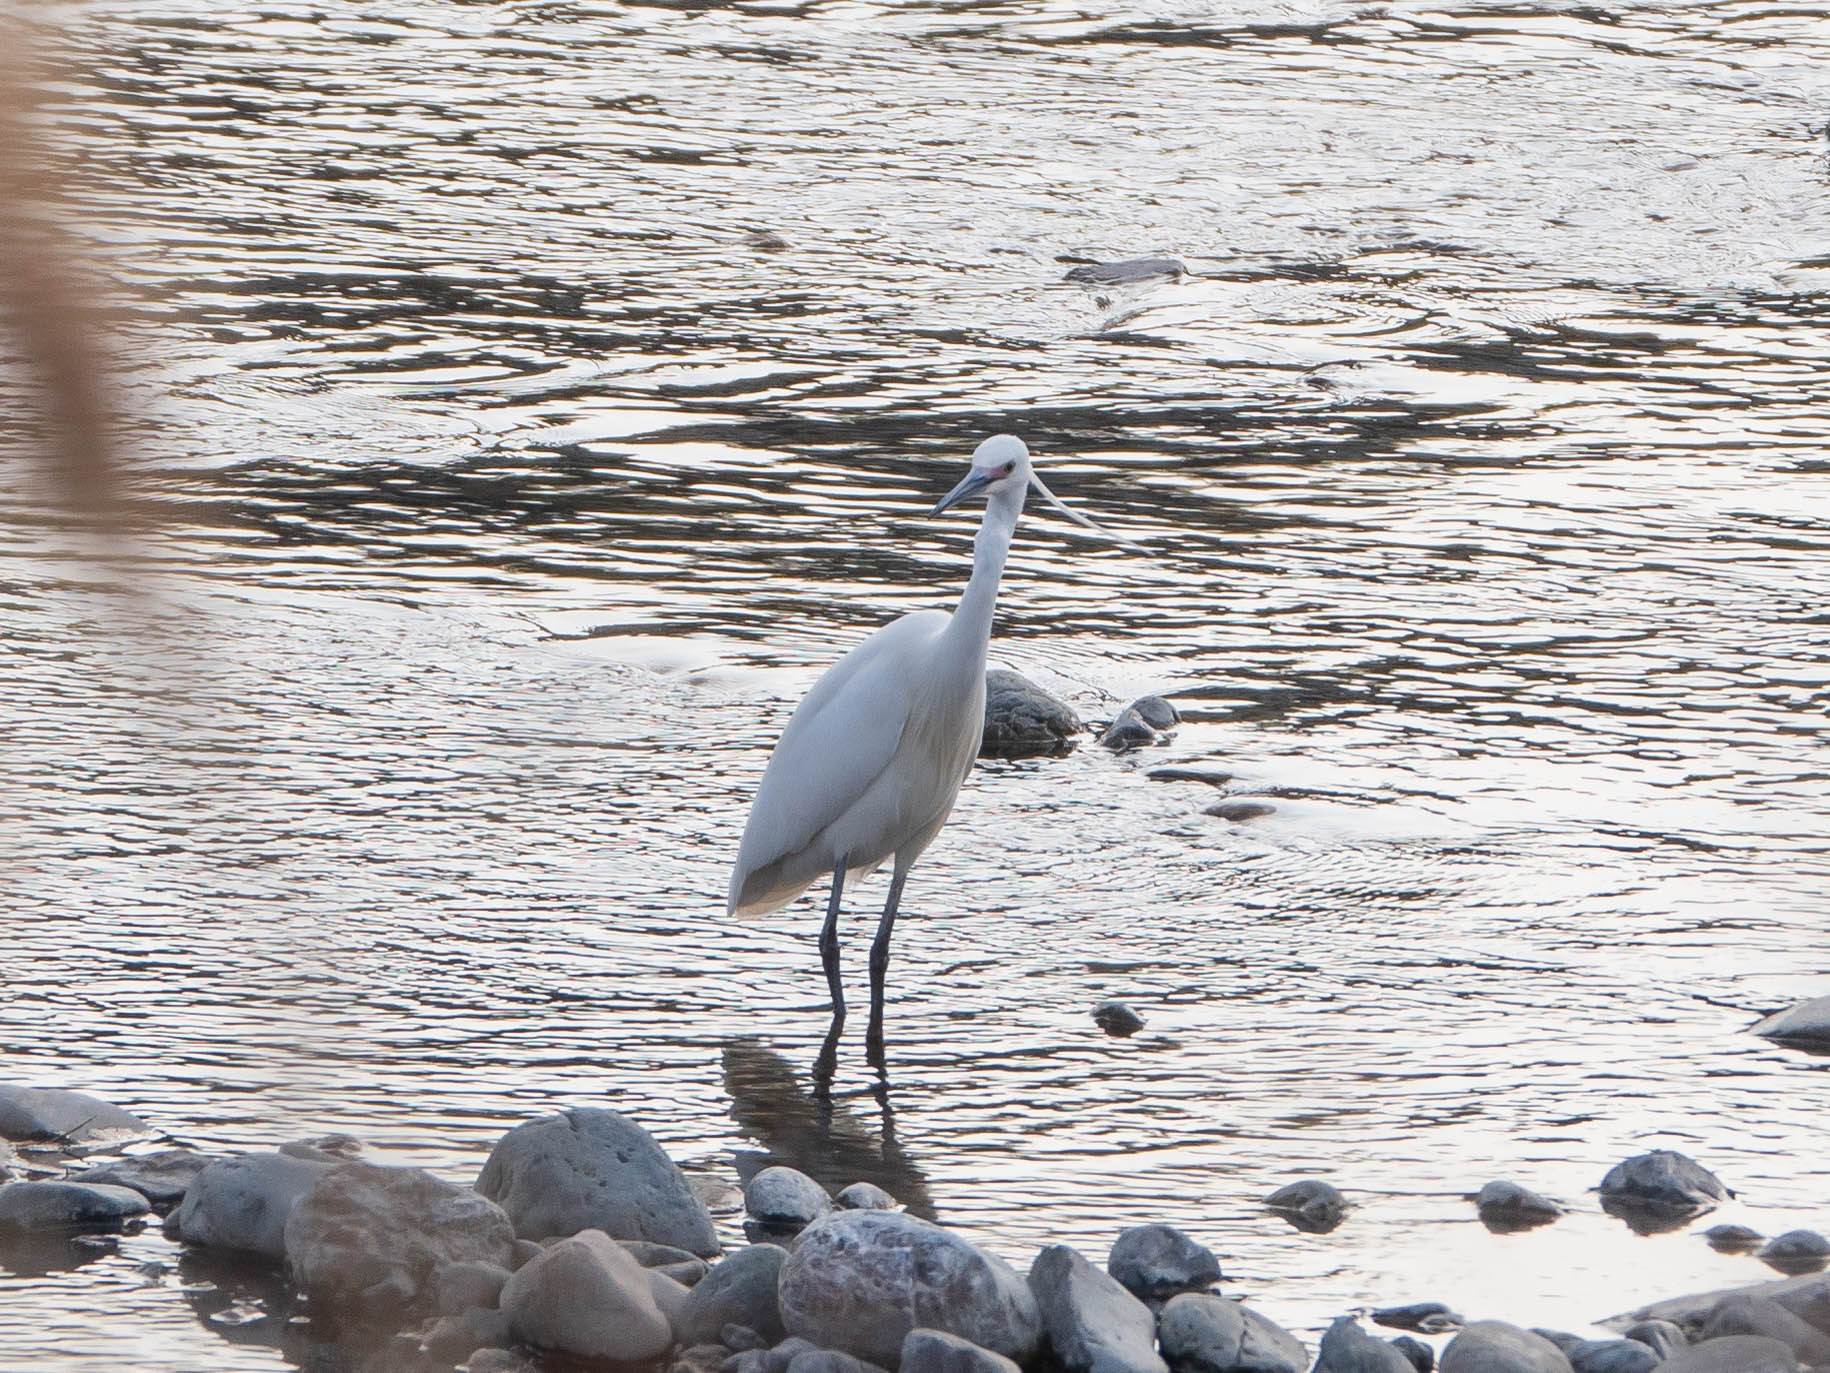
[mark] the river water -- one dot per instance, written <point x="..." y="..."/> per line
<point x="538" y="395"/>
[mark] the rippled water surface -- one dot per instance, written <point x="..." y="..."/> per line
<point x="538" y="395"/>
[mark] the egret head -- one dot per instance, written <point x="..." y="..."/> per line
<point x="1001" y="469"/>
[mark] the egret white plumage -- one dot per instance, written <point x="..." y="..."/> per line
<point x="868" y="768"/>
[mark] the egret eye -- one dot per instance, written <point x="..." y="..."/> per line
<point x="1007" y="469"/>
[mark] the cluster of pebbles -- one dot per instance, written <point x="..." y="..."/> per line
<point x="582" y="1244"/>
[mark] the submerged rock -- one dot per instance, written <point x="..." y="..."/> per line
<point x="1089" y="1321"/>
<point x="592" y="1169"/>
<point x="68" y="1206"/>
<point x="1024" y="721"/>
<point x="1140" y="723"/>
<point x="1663" y="1182"/>
<point x="861" y="1280"/>
<point x="370" y="1238"/>
<point x="1240" y="809"/>
<point x="1732" y="1239"/>
<point x="1796" y="1251"/>
<point x="1117" y="1019"/>
<point x="1127" y="270"/>
<point x="1156" y="1262"/>
<point x="1807" y="1025"/>
<point x="588" y="1298"/>
<point x="242" y="1202"/>
<point x="57" y="1116"/>
<point x="1506" y="1207"/>
<point x="160" y="1177"/>
<point x="1200" y="1332"/>
<point x="1310" y="1204"/>
<point x="1498" y="1347"/>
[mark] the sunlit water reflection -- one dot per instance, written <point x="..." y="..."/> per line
<point x="517" y="487"/>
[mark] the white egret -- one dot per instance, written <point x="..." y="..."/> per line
<point x="868" y="768"/>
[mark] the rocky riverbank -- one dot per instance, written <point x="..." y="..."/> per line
<point x="581" y="1244"/>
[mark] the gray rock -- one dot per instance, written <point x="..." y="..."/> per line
<point x="54" y="1115"/>
<point x="1749" y="1315"/>
<point x="1661" y="1337"/>
<point x="1506" y="1207"/>
<point x="1138" y="723"/>
<point x="1796" y="1251"/>
<point x="1024" y="721"/>
<point x="828" y="1361"/>
<point x="1156" y="1262"/>
<point x="1422" y="1357"/>
<point x="459" y="1284"/>
<point x="333" y="1148"/>
<point x="1733" y="1354"/>
<point x="1563" y="1339"/>
<point x="454" y="1336"/>
<point x="1117" y="1019"/>
<point x="594" y="1169"/>
<point x="496" y="1360"/>
<point x="1200" y="1332"/>
<point x="738" y="1338"/>
<point x="935" y="1351"/>
<point x="1806" y="1297"/>
<point x="242" y="1202"/>
<point x="861" y="1280"/>
<point x="1309" y="1204"/>
<point x="1732" y="1239"/>
<point x="1129" y="270"/>
<point x="367" y="1237"/>
<point x="785" y="1198"/>
<point x="1425" y="1317"/>
<point x="776" y="1360"/>
<point x="739" y="1290"/>
<point x="1807" y="1024"/>
<point x="587" y="1297"/>
<point x="1612" y="1356"/>
<point x="651" y="1255"/>
<point x="525" y="1251"/>
<point x="1497" y="1347"/>
<point x="1240" y="809"/>
<point x="1090" y="1322"/>
<point x="160" y="1177"/>
<point x="1348" y="1349"/>
<point x="1663" y="1180"/>
<point x="866" y="1196"/>
<point x="68" y="1206"/>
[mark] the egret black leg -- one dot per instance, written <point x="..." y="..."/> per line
<point x="829" y="945"/>
<point x="880" y="965"/>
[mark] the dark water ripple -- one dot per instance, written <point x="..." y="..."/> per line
<point x="539" y="395"/>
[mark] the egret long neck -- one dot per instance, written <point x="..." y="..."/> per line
<point x="972" y="617"/>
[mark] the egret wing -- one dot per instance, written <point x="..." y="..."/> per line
<point x="839" y="740"/>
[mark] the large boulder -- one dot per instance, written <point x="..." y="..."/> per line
<point x="1497" y="1347"/>
<point x="1090" y="1322"/>
<point x="861" y="1280"/>
<point x="1200" y="1332"/>
<point x="594" y="1169"/>
<point x="586" y="1297"/>
<point x="1156" y="1262"/>
<point x="242" y="1202"/>
<point x="369" y="1237"/>
<point x="54" y="1115"/>
<point x="739" y="1290"/>
<point x="161" y="1177"/>
<point x="67" y="1206"/>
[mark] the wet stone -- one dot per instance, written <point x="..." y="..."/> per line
<point x="1611" y="1356"/>
<point x="1140" y="723"/>
<point x="68" y="1205"/>
<point x="785" y="1199"/>
<point x="738" y="1338"/>
<point x="1745" y="1314"/>
<point x="866" y="1196"/>
<point x="587" y="1297"/>
<point x="1498" y="1347"/>
<point x="460" y="1284"/>
<point x="1240" y="810"/>
<point x="1807" y="1024"/>
<point x="935" y="1351"/>
<point x="1348" y="1349"/>
<point x="740" y="1290"/>
<point x="1425" y="1317"/>
<point x="1127" y="270"/>
<point x="1732" y="1239"/>
<point x="242" y="1202"/>
<point x="1117" y="1019"/>
<point x="1024" y="721"/>
<point x="58" y="1116"/>
<point x="1310" y="1204"/>
<point x="1663" y="1338"/>
<point x="1212" y="777"/>
<point x="1506" y="1207"/>
<point x="1796" y="1251"/>
<point x="1733" y="1354"/>
<point x="332" y="1148"/>
<point x="1421" y="1356"/>
<point x="829" y="1361"/>
<point x="160" y="1177"/>
<point x="1663" y="1180"/>
<point x="1157" y="1262"/>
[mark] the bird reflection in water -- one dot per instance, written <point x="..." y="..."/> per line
<point x="805" y="1129"/>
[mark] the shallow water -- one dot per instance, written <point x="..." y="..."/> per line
<point x="515" y="489"/>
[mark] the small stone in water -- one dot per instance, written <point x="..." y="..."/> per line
<point x="1425" y="1317"/>
<point x="866" y="1196"/>
<point x="1156" y="1262"/>
<point x="1506" y="1207"/>
<point x="238" y="1314"/>
<point x="1807" y="1025"/>
<point x="1796" y="1251"/>
<point x="1663" y="1180"/>
<point x="1311" y="1205"/>
<point x="785" y="1198"/>
<point x="1024" y="721"/>
<point x="1422" y="1357"/>
<point x="1731" y="1239"/>
<point x="1127" y="270"/>
<point x="1117" y="1019"/>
